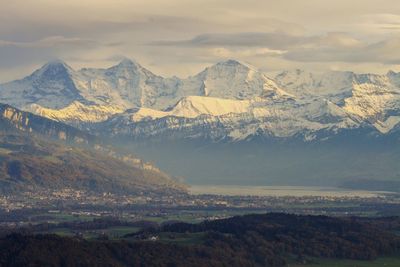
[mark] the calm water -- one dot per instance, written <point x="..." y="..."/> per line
<point x="234" y="190"/>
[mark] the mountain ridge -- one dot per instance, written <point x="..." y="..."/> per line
<point x="235" y="95"/>
<point x="38" y="153"/>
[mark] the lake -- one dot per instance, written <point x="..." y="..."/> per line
<point x="280" y="191"/>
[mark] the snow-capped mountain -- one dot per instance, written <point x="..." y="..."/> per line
<point x="51" y="86"/>
<point x="230" y="79"/>
<point x="230" y="100"/>
<point x="127" y="85"/>
<point x="216" y="119"/>
<point x="89" y="95"/>
<point x="374" y="98"/>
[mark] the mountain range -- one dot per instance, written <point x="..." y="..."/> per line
<point x="230" y="100"/>
<point x="319" y="121"/>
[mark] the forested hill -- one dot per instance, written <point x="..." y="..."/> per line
<point x="252" y="240"/>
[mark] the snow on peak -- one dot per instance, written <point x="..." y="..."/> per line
<point x="194" y="106"/>
<point x="233" y="63"/>
<point x="56" y="62"/>
<point x="230" y="79"/>
<point x="128" y="65"/>
<point x="125" y="66"/>
<point x="127" y="62"/>
<point x="230" y="66"/>
<point x="77" y="112"/>
<point x="229" y="90"/>
<point x="51" y="86"/>
<point x="53" y="69"/>
<point x="301" y="83"/>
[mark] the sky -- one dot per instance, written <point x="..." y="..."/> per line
<point x="181" y="37"/>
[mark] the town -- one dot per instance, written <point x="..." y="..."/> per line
<point x="77" y="205"/>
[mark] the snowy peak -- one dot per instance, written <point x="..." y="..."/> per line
<point x="229" y="119"/>
<point x="57" y="71"/>
<point x="333" y="85"/>
<point x="128" y="85"/>
<point x="126" y="65"/>
<point x="231" y="79"/>
<point x="233" y="65"/>
<point x="127" y="62"/>
<point x="56" y="64"/>
<point x="371" y="97"/>
<point x="193" y="107"/>
<point x="229" y="69"/>
<point x="51" y="86"/>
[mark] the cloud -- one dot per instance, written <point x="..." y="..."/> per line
<point x="381" y="21"/>
<point x="383" y="52"/>
<point x="180" y="37"/>
<point x="273" y="40"/>
<point x="329" y="47"/>
<point x="222" y="52"/>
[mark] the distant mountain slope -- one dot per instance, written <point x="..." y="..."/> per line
<point x="28" y="163"/>
<point x="28" y="160"/>
<point x="13" y="118"/>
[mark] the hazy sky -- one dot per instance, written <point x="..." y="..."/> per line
<point x="182" y="37"/>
